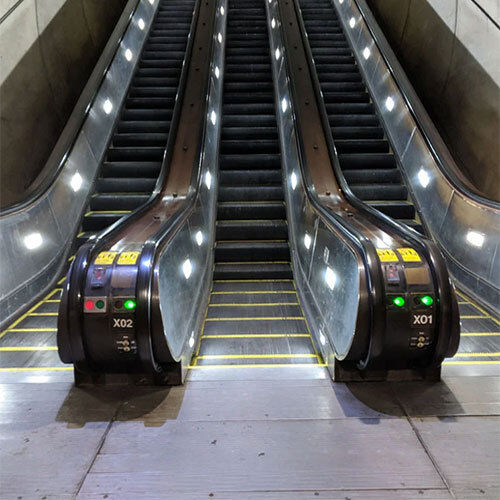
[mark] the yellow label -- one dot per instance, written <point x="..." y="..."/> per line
<point x="128" y="258"/>
<point x="387" y="255"/>
<point x="105" y="258"/>
<point x="409" y="255"/>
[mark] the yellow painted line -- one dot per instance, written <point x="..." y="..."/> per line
<point x="259" y="365"/>
<point x="71" y="258"/>
<point x="255" y="335"/>
<point x="44" y="314"/>
<point x="480" y="334"/>
<point x="52" y="293"/>
<point x="255" y="356"/>
<point x="471" y="362"/>
<point x="257" y="318"/>
<point x="250" y="220"/>
<point x="32" y="330"/>
<point x="79" y="235"/>
<point x="107" y="212"/>
<point x="53" y="301"/>
<point x="61" y="281"/>
<point x="462" y="302"/>
<point x="252" y="262"/>
<point x="473" y="316"/>
<point x="257" y="304"/>
<point x="29" y="348"/>
<point x="476" y="354"/>
<point x="252" y="292"/>
<point x="479" y="308"/>
<point x="37" y="368"/>
<point x="254" y="281"/>
<point x="27" y="313"/>
<point x="250" y="241"/>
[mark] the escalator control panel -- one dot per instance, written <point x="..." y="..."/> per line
<point x="410" y="301"/>
<point x="109" y="306"/>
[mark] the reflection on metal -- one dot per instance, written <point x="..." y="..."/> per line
<point x="56" y="211"/>
<point x="465" y="226"/>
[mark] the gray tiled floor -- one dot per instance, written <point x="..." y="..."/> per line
<point x="252" y="434"/>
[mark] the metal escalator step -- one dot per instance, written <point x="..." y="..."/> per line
<point x="252" y="229"/>
<point x="374" y="175"/>
<point x="250" y="193"/>
<point x="125" y="184"/>
<point x="149" y="170"/>
<point x="252" y="271"/>
<point x="250" y="177"/>
<point x="373" y="132"/>
<point x="251" y="210"/>
<point x="365" y="161"/>
<point x="380" y="191"/>
<point x="249" y="145"/>
<point x="97" y="221"/>
<point x="397" y="209"/>
<point x="252" y="251"/>
<point x="361" y="146"/>
<point x="121" y="201"/>
<point x="246" y="161"/>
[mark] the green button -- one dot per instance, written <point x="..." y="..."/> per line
<point x="99" y="304"/>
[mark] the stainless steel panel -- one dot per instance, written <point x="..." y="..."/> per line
<point x="186" y="262"/>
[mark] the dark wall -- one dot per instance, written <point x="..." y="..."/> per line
<point x="49" y="49"/>
<point x="449" y="50"/>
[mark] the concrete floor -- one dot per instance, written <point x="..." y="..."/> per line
<point x="246" y="433"/>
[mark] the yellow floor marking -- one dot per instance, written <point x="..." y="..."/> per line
<point x="29" y="348"/>
<point x="462" y="303"/>
<point x="479" y="308"/>
<point x="44" y="314"/>
<point x="62" y="280"/>
<point x="79" y="235"/>
<point x="250" y="241"/>
<point x="255" y="335"/>
<point x="37" y="368"/>
<point x="107" y="212"/>
<point x="27" y="313"/>
<point x="476" y="354"/>
<point x="254" y="281"/>
<point x="257" y="318"/>
<point x="254" y="292"/>
<point x="71" y="258"/>
<point x="52" y="293"/>
<point x="471" y="362"/>
<point x="32" y="330"/>
<point x="250" y="304"/>
<point x="473" y="316"/>
<point x="252" y="262"/>
<point x="255" y="356"/>
<point x="250" y="220"/>
<point x="259" y="365"/>
<point x="480" y="334"/>
<point x="53" y="301"/>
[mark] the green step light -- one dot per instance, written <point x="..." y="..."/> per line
<point x="427" y="300"/>
<point x="398" y="301"/>
<point x="129" y="304"/>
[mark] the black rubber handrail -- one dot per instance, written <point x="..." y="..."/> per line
<point x="432" y="138"/>
<point x="57" y="159"/>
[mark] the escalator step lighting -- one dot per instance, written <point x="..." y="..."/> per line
<point x="398" y="301"/>
<point x="427" y="300"/>
<point x="129" y="304"/>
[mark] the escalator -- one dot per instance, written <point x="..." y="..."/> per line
<point x="135" y="154"/>
<point x="364" y="153"/>
<point x="254" y="314"/>
<point x="128" y="174"/>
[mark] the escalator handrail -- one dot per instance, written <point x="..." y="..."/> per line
<point x="425" y="246"/>
<point x="433" y="140"/>
<point x="57" y="159"/>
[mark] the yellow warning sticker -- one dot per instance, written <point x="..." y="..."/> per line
<point x="105" y="258"/>
<point x="128" y="258"/>
<point x="409" y="255"/>
<point x="387" y="255"/>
